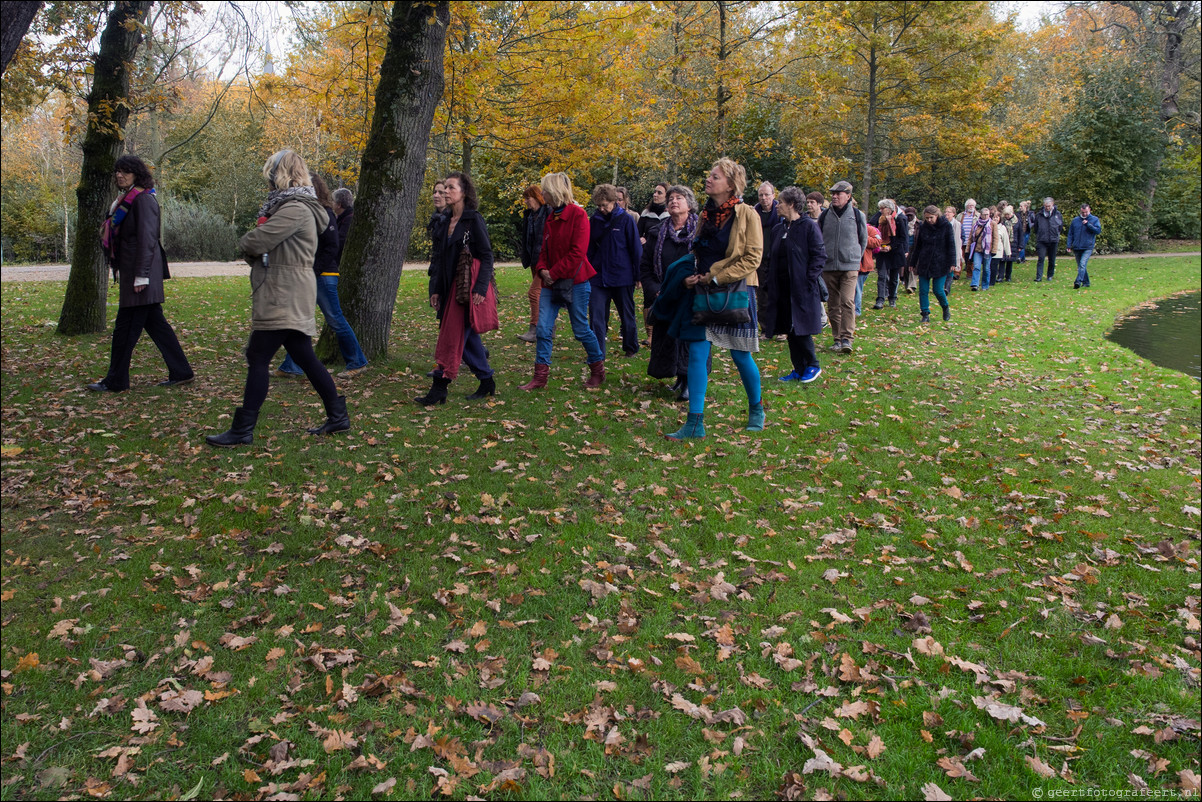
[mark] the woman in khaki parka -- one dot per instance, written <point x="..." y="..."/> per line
<point x="280" y="252"/>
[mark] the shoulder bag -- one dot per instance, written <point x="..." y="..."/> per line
<point x="721" y="304"/>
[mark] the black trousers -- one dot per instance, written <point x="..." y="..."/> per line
<point x="1047" y="249"/>
<point x="127" y="329"/>
<point x="801" y="351"/>
<point x="598" y="314"/>
<point x="262" y="349"/>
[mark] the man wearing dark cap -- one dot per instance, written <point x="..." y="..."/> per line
<point x="845" y="234"/>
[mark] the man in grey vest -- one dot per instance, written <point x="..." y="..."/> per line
<point x="845" y="235"/>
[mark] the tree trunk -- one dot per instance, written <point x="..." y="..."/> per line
<point x="108" y="110"/>
<point x="393" y="168"/>
<point x="466" y="149"/>
<point x="870" y="136"/>
<point x="18" y="16"/>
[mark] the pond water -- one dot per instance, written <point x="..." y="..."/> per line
<point x="1168" y="332"/>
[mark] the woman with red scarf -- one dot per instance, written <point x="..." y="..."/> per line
<point x="130" y="237"/>
<point x="727" y="247"/>
<point x="894" y="230"/>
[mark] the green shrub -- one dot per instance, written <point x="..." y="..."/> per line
<point x="1177" y="212"/>
<point x="1105" y="151"/>
<point x="194" y="233"/>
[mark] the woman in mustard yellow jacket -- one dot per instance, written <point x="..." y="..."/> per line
<point x="727" y="247"/>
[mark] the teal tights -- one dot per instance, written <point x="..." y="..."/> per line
<point x="699" y="354"/>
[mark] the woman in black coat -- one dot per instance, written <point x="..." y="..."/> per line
<point x="530" y="245"/>
<point x="131" y="241"/>
<point x="464" y="227"/>
<point x="933" y="257"/>
<point x="793" y="306"/>
<point x="666" y="243"/>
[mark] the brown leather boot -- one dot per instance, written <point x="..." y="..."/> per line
<point x="596" y="375"/>
<point x="541" y="372"/>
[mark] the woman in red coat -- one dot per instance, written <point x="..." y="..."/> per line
<point x="565" y="271"/>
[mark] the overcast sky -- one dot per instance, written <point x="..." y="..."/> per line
<point x="276" y="24"/>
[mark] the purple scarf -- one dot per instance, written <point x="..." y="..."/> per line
<point x="666" y="230"/>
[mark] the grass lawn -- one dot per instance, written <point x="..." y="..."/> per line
<point x="964" y="561"/>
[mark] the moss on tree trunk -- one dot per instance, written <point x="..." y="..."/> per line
<point x="392" y="169"/>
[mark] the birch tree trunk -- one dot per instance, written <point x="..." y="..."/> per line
<point x="393" y="168"/>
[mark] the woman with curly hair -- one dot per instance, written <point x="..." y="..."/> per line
<point x="130" y="237"/>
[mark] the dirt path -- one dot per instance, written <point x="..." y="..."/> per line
<point x="178" y="270"/>
<point x="202" y="269"/>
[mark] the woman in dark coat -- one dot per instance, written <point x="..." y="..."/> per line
<point x="933" y="257"/>
<point x="793" y="308"/>
<point x="530" y="244"/>
<point x="131" y="241"/>
<point x="464" y="228"/>
<point x="894" y="229"/>
<point x="665" y="244"/>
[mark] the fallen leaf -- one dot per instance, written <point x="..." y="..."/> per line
<point x="1039" y="767"/>
<point x="933" y="793"/>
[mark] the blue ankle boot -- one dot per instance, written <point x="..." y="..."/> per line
<point x="755" y="417"/>
<point x="694" y="427"/>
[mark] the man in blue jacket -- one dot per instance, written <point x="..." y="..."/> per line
<point x="614" y="250"/>
<point x="1082" y="235"/>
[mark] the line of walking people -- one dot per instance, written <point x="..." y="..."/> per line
<point x="722" y="274"/>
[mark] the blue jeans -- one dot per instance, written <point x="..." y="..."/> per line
<point x="348" y="343"/>
<point x="980" y="265"/>
<point x="860" y="290"/>
<point x="925" y="285"/>
<point x="1082" y="257"/>
<point x="548" y="310"/>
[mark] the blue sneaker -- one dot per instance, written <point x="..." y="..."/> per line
<point x="811" y="373"/>
<point x="792" y="377"/>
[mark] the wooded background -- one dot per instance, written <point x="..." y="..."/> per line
<point x="924" y="102"/>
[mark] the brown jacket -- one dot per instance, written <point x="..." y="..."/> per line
<point x="744" y="250"/>
<point x="284" y="293"/>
